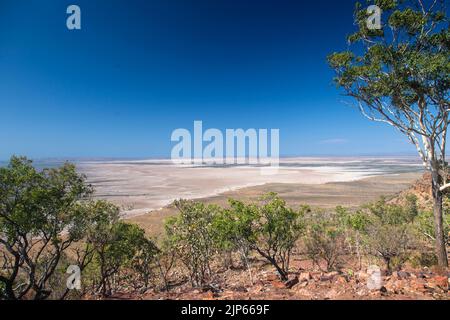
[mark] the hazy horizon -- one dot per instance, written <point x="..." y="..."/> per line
<point x="132" y="158"/>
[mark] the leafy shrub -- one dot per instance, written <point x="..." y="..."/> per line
<point x="125" y="242"/>
<point x="191" y="235"/>
<point x="423" y="258"/>
<point x="390" y="242"/>
<point x="165" y="261"/>
<point x="424" y="224"/>
<point x="115" y="245"/>
<point x="270" y="228"/>
<point x="277" y="231"/>
<point x="144" y="262"/>
<point x="325" y="239"/>
<point x="235" y="230"/>
<point x="389" y="235"/>
<point x="354" y="225"/>
<point x="391" y="214"/>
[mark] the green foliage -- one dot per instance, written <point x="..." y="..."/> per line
<point x="391" y="242"/>
<point x="425" y="225"/>
<point x="400" y="74"/>
<point x="48" y="221"/>
<point x="325" y="238"/>
<point x="126" y="242"/>
<point x="276" y="232"/>
<point x="145" y="261"/>
<point x="269" y="228"/>
<point x="234" y="229"/>
<point x="383" y="230"/>
<point x="390" y="234"/>
<point x="356" y="221"/>
<point x="38" y="209"/>
<point x="39" y="203"/>
<point x="117" y="246"/>
<point x="200" y="231"/>
<point x="192" y="236"/>
<point x="390" y="214"/>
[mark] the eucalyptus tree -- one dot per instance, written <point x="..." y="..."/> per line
<point x="39" y="221"/>
<point x="399" y="74"/>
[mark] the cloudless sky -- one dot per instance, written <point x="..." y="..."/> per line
<point x="139" y="69"/>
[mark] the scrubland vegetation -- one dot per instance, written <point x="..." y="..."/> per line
<point x="49" y="220"/>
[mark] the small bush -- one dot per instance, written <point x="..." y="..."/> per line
<point x="422" y="259"/>
<point x="276" y="232"/>
<point x="424" y="224"/>
<point x="270" y="228"/>
<point x="144" y="263"/>
<point x="325" y="240"/>
<point x="389" y="234"/>
<point x="191" y="235"/>
<point x="165" y="261"/>
<point x="234" y="230"/>
<point x="390" y="242"/>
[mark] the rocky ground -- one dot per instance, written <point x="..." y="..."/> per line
<point x="408" y="284"/>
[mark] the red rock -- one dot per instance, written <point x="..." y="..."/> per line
<point x="278" y="284"/>
<point x="441" y="282"/>
<point x="209" y="296"/>
<point x="418" y="286"/>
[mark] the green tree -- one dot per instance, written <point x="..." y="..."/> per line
<point x="276" y="232"/>
<point x="39" y="221"/>
<point x="400" y="75"/>
<point x="145" y="260"/>
<point x="235" y="230"/>
<point x="354" y="224"/>
<point x="116" y="244"/>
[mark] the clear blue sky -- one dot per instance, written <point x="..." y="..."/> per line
<point x="139" y="69"/>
